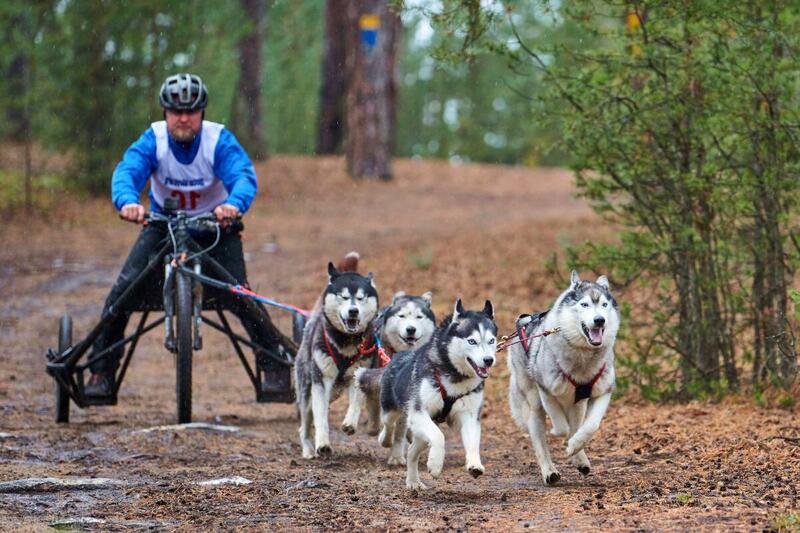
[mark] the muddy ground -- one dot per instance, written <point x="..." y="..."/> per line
<point x="471" y="231"/>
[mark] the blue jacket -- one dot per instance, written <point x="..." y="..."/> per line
<point x="231" y="165"/>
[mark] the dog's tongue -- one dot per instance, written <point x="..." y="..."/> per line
<point x="483" y="372"/>
<point x="596" y="335"/>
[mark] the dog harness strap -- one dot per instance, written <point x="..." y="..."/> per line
<point x="582" y="390"/>
<point x="343" y="363"/>
<point x="448" y="400"/>
<point x="523" y="336"/>
<point x="331" y="351"/>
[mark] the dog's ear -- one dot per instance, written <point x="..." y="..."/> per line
<point x="371" y="282"/>
<point x="397" y="296"/>
<point x="488" y="309"/>
<point x="457" y="312"/>
<point x="428" y="297"/>
<point x="576" y="280"/>
<point x="332" y="272"/>
<point x="603" y="282"/>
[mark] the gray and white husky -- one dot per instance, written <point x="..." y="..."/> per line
<point x="335" y="342"/>
<point x="569" y="375"/>
<point x="406" y="324"/>
<point x="440" y="381"/>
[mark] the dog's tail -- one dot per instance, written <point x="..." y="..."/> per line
<point x="369" y="381"/>
<point x="349" y="263"/>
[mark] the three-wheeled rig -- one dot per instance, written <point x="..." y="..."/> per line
<point x="174" y="279"/>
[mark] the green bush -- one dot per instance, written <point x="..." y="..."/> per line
<point x="682" y="120"/>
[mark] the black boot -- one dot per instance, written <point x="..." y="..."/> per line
<point x="100" y="385"/>
<point x="276" y="385"/>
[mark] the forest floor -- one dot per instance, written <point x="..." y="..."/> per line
<point x="471" y="231"/>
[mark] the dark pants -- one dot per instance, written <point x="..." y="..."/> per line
<point x="227" y="252"/>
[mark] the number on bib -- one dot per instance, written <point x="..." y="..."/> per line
<point x="194" y="196"/>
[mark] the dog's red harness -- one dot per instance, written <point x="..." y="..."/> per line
<point x="448" y="400"/>
<point x="582" y="390"/>
<point x="343" y="363"/>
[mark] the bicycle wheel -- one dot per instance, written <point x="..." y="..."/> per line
<point x="64" y="342"/>
<point x="183" y="353"/>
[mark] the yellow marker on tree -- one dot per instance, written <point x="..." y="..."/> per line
<point x="633" y="22"/>
<point x="369" y="22"/>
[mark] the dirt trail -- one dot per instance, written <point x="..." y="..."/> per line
<point x="471" y="231"/>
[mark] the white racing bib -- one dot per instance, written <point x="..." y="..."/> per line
<point x="193" y="185"/>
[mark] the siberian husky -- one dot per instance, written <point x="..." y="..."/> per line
<point x="336" y="339"/>
<point x="569" y="375"/>
<point x="440" y="381"/>
<point x="406" y="324"/>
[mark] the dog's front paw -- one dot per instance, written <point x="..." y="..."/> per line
<point x="347" y="429"/>
<point x="435" y="466"/>
<point x="308" y="453"/>
<point x="415" y="485"/>
<point x="324" y="450"/>
<point x="395" y="460"/>
<point x="550" y="477"/>
<point x="372" y="430"/>
<point x="475" y="470"/>
<point x="581" y="462"/>
<point x="575" y="445"/>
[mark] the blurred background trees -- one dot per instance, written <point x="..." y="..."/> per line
<point x="89" y="70"/>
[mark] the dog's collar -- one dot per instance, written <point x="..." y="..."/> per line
<point x="582" y="390"/>
<point x="343" y="363"/>
<point x="449" y="400"/>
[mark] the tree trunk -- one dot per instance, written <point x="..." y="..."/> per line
<point x="373" y="31"/>
<point x="334" y="84"/>
<point x="246" y="116"/>
<point x="94" y="81"/>
<point x="18" y="80"/>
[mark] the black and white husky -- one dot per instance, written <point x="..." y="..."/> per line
<point x="569" y="375"/>
<point x="440" y="381"/>
<point x="337" y="338"/>
<point x="405" y="324"/>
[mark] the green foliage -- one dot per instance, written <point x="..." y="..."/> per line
<point x="794" y="294"/>
<point x="787" y="401"/>
<point x="786" y="523"/>
<point x="459" y="100"/>
<point x="46" y="194"/>
<point x="293" y="59"/>
<point x="683" y="132"/>
<point x="681" y="121"/>
<point x="421" y="260"/>
<point x="97" y="70"/>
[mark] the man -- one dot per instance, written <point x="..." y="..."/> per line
<point x="203" y="166"/>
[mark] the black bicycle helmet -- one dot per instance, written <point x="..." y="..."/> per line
<point x="183" y="92"/>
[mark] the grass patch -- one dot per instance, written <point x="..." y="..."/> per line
<point x="46" y="190"/>
<point x="422" y="260"/>
<point x="786" y="523"/>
